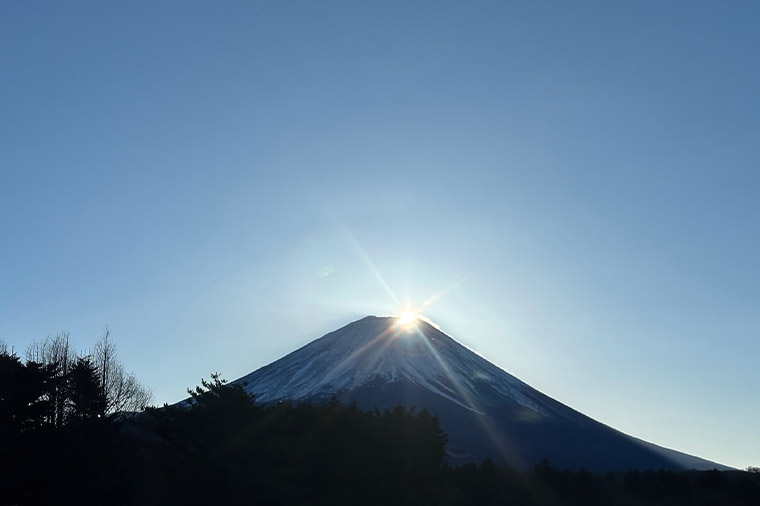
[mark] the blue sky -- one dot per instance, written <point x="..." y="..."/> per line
<point x="576" y="185"/>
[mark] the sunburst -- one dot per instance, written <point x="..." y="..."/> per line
<point x="408" y="318"/>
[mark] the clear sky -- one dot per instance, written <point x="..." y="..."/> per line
<point x="575" y="184"/>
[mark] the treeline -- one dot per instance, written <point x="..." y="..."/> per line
<point x="487" y="484"/>
<point x="57" y="420"/>
<point x="222" y="448"/>
<point x="56" y="386"/>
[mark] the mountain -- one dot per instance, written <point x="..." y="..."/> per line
<point x="378" y="362"/>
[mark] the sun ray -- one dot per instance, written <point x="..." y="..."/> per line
<point x="473" y="405"/>
<point x="355" y="243"/>
<point x="441" y="293"/>
<point x="377" y="340"/>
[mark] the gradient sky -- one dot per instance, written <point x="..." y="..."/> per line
<point x="575" y="184"/>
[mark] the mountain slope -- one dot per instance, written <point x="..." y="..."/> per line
<point x="486" y="412"/>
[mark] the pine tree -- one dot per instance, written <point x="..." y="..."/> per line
<point x="86" y="399"/>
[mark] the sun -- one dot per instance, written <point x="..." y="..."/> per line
<point x="408" y="318"/>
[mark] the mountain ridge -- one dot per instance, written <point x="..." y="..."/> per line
<point x="487" y="412"/>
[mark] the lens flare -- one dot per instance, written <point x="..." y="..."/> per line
<point x="408" y="318"/>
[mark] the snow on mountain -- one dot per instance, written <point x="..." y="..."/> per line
<point x="486" y="412"/>
<point x="378" y="348"/>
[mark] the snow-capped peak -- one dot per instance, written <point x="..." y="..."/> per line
<point x="387" y="350"/>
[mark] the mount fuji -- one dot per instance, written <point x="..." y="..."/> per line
<point x="381" y="362"/>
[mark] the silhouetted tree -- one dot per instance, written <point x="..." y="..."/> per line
<point x="121" y="390"/>
<point x="56" y="445"/>
<point x="86" y="398"/>
<point x="56" y="357"/>
<point x="23" y="393"/>
<point x="216" y="394"/>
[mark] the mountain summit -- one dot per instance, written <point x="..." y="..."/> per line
<point x="379" y="350"/>
<point x="380" y="362"/>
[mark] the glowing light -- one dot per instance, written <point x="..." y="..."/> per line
<point x="408" y="318"/>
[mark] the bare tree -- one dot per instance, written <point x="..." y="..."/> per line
<point x="55" y="354"/>
<point x="121" y="390"/>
